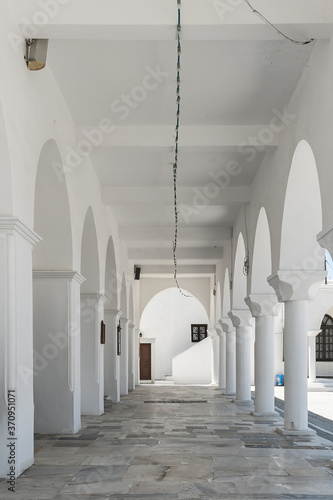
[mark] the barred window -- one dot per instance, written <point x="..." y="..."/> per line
<point x="324" y="340"/>
<point x="198" y="332"/>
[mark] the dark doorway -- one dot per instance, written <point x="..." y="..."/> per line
<point x="145" y="361"/>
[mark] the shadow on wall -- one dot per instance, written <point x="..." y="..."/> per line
<point x="168" y="317"/>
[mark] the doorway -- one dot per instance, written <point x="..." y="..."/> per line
<point x="145" y="361"/>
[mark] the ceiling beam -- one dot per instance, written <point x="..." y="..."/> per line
<point x="184" y="255"/>
<point x="195" y="138"/>
<point x="198" y="235"/>
<point x="156" y="19"/>
<point x="191" y="196"/>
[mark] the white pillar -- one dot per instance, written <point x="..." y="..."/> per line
<point x="230" y="333"/>
<point x="215" y="356"/>
<point x="264" y="307"/>
<point x="92" y="354"/>
<point x="312" y="334"/>
<point x="124" y="357"/>
<point x="242" y="321"/>
<point x="57" y="388"/>
<point x="137" y="356"/>
<point x="131" y="357"/>
<point x="16" y="343"/>
<point x="111" y="359"/>
<point x="222" y="357"/>
<point x="295" y="289"/>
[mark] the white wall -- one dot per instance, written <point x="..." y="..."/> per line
<point x="194" y="366"/>
<point x="168" y="318"/>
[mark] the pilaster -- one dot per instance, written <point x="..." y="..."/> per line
<point x="111" y="358"/>
<point x="57" y="351"/>
<point x="124" y="361"/>
<point x="16" y="341"/>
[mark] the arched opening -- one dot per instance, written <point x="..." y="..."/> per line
<point x="239" y="291"/>
<point x="52" y="219"/>
<point x="111" y="318"/>
<point x="92" y="353"/>
<point x="302" y="214"/>
<point x="166" y="321"/>
<point x="226" y="299"/>
<point x="261" y="267"/>
<point x="111" y="281"/>
<point x="56" y="291"/>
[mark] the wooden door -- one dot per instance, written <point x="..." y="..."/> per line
<point x="145" y="361"/>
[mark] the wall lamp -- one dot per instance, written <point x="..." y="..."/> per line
<point x="36" y="52"/>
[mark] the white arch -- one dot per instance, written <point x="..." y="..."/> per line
<point x="302" y="214"/>
<point x="90" y="255"/>
<point x="239" y="291"/>
<point x="261" y="266"/>
<point x="52" y="215"/>
<point x="111" y="277"/>
<point x="226" y="300"/>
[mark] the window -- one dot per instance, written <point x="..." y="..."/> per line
<point x="324" y="340"/>
<point x="198" y="332"/>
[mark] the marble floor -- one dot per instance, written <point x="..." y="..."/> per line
<point x="184" y="443"/>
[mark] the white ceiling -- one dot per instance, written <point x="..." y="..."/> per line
<point x="235" y="72"/>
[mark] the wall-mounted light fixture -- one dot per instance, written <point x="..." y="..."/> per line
<point x="102" y="332"/>
<point x="137" y="271"/>
<point x="36" y="52"/>
<point x="119" y="339"/>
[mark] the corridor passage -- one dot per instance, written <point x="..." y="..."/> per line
<point x="165" y="443"/>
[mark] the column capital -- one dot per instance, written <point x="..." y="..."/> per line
<point x="265" y="304"/>
<point x="218" y="329"/>
<point x="241" y="317"/>
<point x="325" y="240"/>
<point x="226" y="325"/>
<point x="296" y="285"/>
<point x="59" y="275"/>
<point x="12" y="225"/>
<point x="124" y="321"/>
<point x="313" y="333"/>
<point x="115" y="313"/>
<point x="131" y="325"/>
<point x="97" y="297"/>
<point x="212" y="332"/>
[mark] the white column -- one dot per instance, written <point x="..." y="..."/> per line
<point x="16" y="343"/>
<point x="215" y="356"/>
<point x="295" y="289"/>
<point x="264" y="307"/>
<point x="124" y="357"/>
<point x="92" y="354"/>
<point x="137" y="356"/>
<point x="131" y="357"/>
<point x="230" y="333"/>
<point x="312" y="334"/>
<point x="242" y="321"/>
<point x="111" y="359"/>
<point x="222" y="356"/>
<point x="57" y="387"/>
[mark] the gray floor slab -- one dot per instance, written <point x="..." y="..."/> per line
<point x="176" y="443"/>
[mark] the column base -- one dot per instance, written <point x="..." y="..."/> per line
<point x="229" y="394"/>
<point x="289" y="432"/>
<point x="270" y="414"/>
<point x="243" y="402"/>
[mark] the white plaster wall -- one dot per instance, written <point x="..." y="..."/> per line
<point x="168" y="318"/>
<point x="194" y="366"/>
